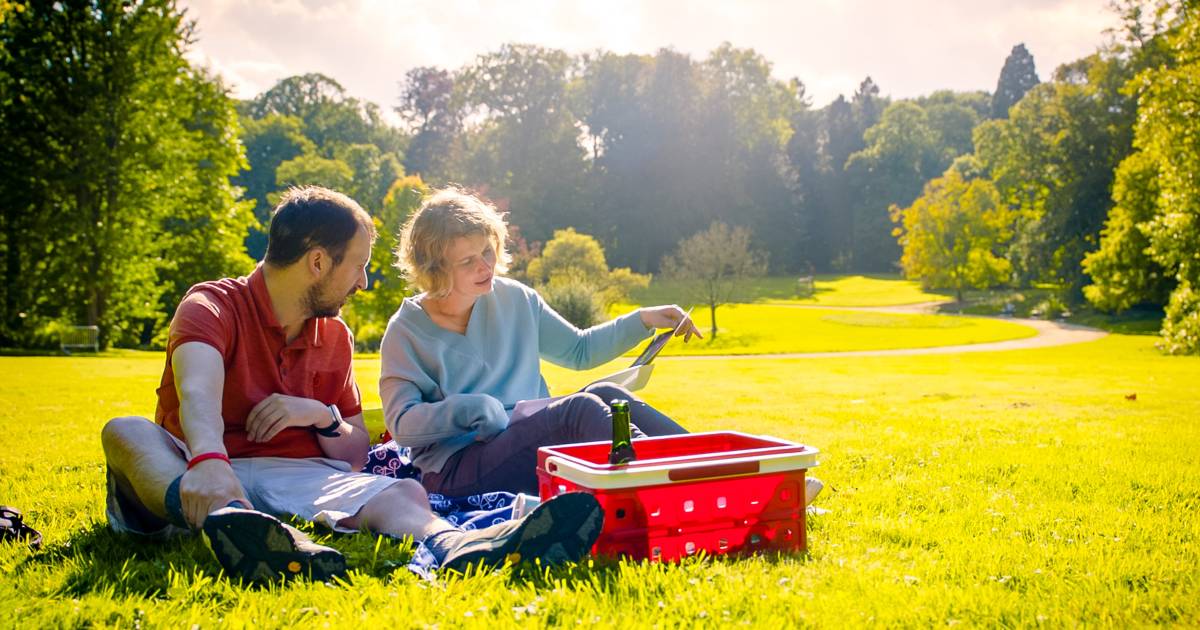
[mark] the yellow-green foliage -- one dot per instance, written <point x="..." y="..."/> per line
<point x="571" y="258"/>
<point x="952" y="234"/>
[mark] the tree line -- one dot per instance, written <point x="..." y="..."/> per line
<point x="130" y="174"/>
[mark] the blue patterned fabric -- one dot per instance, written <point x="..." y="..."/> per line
<point x="471" y="512"/>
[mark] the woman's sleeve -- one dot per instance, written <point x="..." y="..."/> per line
<point x="560" y="342"/>
<point x="416" y="412"/>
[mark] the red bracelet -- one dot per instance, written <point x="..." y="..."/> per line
<point x="207" y="456"/>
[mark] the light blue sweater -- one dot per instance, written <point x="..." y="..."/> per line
<point x="441" y="390"/>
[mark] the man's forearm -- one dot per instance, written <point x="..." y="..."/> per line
<point x="199" y="381"/>
<point x="350" y="445"/>
<point x="203" y="428"/>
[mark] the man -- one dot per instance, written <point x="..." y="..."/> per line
<point x="258" y="415"/>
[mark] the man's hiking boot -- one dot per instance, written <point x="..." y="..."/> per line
<point x="258" y="547"/>
<point x="562" y="529"/>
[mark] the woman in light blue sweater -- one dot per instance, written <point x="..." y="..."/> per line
<point x="457" y="358"/>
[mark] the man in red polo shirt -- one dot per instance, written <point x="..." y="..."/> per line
<point x="259" y="415"/>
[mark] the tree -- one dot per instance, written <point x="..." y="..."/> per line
<point x="368" y="313"/>
<point x="1053" y="160"/>
<point x="269" y="141"/>
<point x="524" y="148"/>
<point x="331" y="118"/>
<point x="428" y="105"/>
<point x="899" y="158"/>
<point x="714" y="265"/>
<point x="1167" y="142"/>
<point x="313" y="170"/>
<point x="374" y="174"/>
<point x="953" y="234"/>
<point x="114" y="147"/>
<point x="571" y="258"/>
<point x="1017" y="77"/>
<point x="1122" y="269"/>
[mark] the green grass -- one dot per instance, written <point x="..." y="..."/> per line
<point x="873" y="290"/>
<point x="770" y="328"/>
<point x="1017" y="488"/>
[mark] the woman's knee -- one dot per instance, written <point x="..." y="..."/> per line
<point x="587" y="406"/>
<point x="587" y="417"/>
<point x="608" y="391"/>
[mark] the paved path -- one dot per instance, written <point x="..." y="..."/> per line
<point x="1049" y="333"/>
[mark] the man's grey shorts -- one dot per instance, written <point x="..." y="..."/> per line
<point x="315" y="489"/>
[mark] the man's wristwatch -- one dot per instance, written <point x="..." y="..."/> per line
<point x="335" y="428"/>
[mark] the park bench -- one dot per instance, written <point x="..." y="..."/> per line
<point x="79" y="338"/>
<point x="805" y="286"/>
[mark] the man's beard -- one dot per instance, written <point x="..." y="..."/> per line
<point x="319" y="304"/>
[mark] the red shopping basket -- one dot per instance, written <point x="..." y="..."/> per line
<point x="723" y="492"/>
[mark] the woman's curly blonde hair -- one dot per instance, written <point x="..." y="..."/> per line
<point x="445" y="215"/>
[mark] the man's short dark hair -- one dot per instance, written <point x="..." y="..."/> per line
<point x="312" y="216"/>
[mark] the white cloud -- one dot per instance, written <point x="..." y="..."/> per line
<point x="908" y="48"/>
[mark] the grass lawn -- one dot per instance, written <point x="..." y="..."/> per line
<point x="1017" y="488"/>
<point x="873" y="290"/>
<point x="772" y="328"/>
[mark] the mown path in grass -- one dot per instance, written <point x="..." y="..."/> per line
<point x="853" y="315"/>
<point x="771" y="329"/>
<point x="1048" y="334"/>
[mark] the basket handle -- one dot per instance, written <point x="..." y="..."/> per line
<point x="710" y="471"/>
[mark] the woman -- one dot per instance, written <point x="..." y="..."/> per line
<point x="458" y="357"/>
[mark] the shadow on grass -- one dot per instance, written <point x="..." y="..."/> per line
<point x="97" y="560"/>
<point x="1136" y="321"/>
<point x="100" y="560"/>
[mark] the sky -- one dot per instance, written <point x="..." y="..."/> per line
<point x="909" y="48"/>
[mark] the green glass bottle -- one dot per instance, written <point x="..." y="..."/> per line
<point x="622" y="444"/>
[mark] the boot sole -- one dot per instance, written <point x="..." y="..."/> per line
<point x="257" y="548"/>
<point x="557" y="531"/>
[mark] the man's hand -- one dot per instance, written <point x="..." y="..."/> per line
<point x="669" y="316"/>
<point x="278" y="412"/>
<point x="210" y="486"/>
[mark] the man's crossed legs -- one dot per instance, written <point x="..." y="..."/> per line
<point x="145" y="463"/>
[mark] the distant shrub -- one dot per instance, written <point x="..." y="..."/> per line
<point x="578" y="302"/>
<point x="1051" y="308"/>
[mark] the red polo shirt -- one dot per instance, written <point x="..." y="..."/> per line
<point x="235" y="317"/>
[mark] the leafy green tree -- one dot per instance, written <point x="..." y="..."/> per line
<point x="331" y="118"/>
<point x="269" y="141"/>
<point x="714" y="265"/>
<point x="1123" y="271"/>
<point x="643" y="116"/>
<point x="110" y="136"/>
<point x="953" y="234"/>
<point x="368" y="313"/>
<point x="745" y="119"/>
<point x="899" y="157"/>
<point x="1168" y="145"/>
<point x="524" y="150"/>
<point x="1053" y="160"/>
<point x="1017" y="77"/>
<point x="203" y="235"/>
<point x="571" y="258"/>
<point x="431" y="108"/>
<point x="375" y="172"/>
<point x="312" y="170"/>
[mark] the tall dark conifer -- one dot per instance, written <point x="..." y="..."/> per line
<point x="1016" y="78"/>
